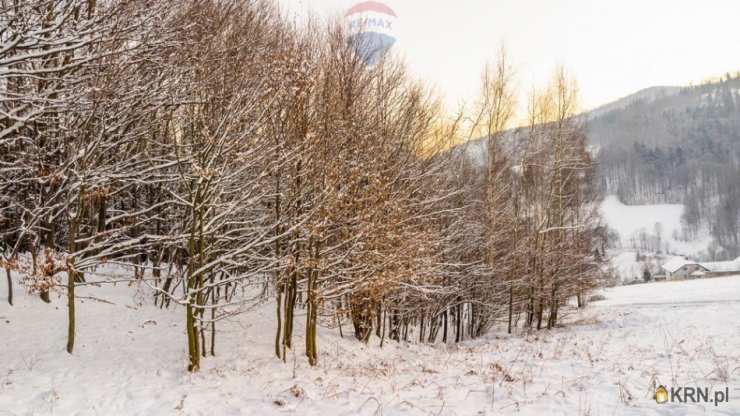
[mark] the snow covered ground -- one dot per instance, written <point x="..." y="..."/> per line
<point x="625" y="265"/>
<point x="130" y="360"/>
<point x="632" y="220"/>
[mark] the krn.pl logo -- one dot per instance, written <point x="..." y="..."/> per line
<point x="661" y="395"/>
<point x="692" y="395"/>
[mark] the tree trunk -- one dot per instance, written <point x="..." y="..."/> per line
<point x="458" y="321"/>
<point x="70" y="308"/>
<point x="444" y="334"/>
<point x="213" y="332"/>
<point x="289" y="308"/>
<point x="540" y="312"/>
<point x="72" y="275"/>
<point x="10" y="287"/>
<point x="379" y="320"/>
<point x="511" y="304"/>
<point x="382" y="331"/>
<point x="192" y="333"/>
<point x="102" y="209"/>
<point x="471" y="320"/>
<point x="278" y="302"/>
<point x="43" y="294"/>
<point x="192" y="289"/>
<point x="311" y="306"/>
<point x="339" y="323"/>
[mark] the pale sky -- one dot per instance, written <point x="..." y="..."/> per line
<point x="613" y="47"/>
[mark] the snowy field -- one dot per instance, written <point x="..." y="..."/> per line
<point x="130" y="360"/>
<point x="631" y="220"/>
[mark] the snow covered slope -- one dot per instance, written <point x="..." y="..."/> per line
<point x="636" y="223"/>
<point x="131" y="359"/>
<point x="626" y="266"/>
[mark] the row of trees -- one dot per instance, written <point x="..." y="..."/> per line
<point x="230" y="159"/>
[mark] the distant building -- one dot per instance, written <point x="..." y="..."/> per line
<point x="680" y="268"/>
<point x="722" y="268"/>
<point x="659" y="277"/>
<point x="698" y="274"/>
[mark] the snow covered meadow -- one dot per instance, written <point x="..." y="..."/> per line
<point x="639" y="226"/>
<point x="603" y="361"/>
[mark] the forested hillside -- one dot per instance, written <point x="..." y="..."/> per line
<point x="677" y="146"/>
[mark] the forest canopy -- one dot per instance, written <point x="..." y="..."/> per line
<point x="226" y="159"/>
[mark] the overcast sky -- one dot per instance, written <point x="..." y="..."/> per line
<point x="613" y="47"/>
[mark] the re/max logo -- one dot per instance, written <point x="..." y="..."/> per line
<point x="370" y="23"/>
<point x="699" y="395"/>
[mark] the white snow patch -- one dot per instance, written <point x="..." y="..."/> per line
<point x="709" y="291"/>
<point x="626" y="265"/>
<point x="602" y="362"/>
<point x="630" y="221"/>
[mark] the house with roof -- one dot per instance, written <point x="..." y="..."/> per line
<point x="681" y="268"/>
<point x="722" y="268"/>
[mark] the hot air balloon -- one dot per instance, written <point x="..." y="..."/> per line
<point x="371" y="26"/>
